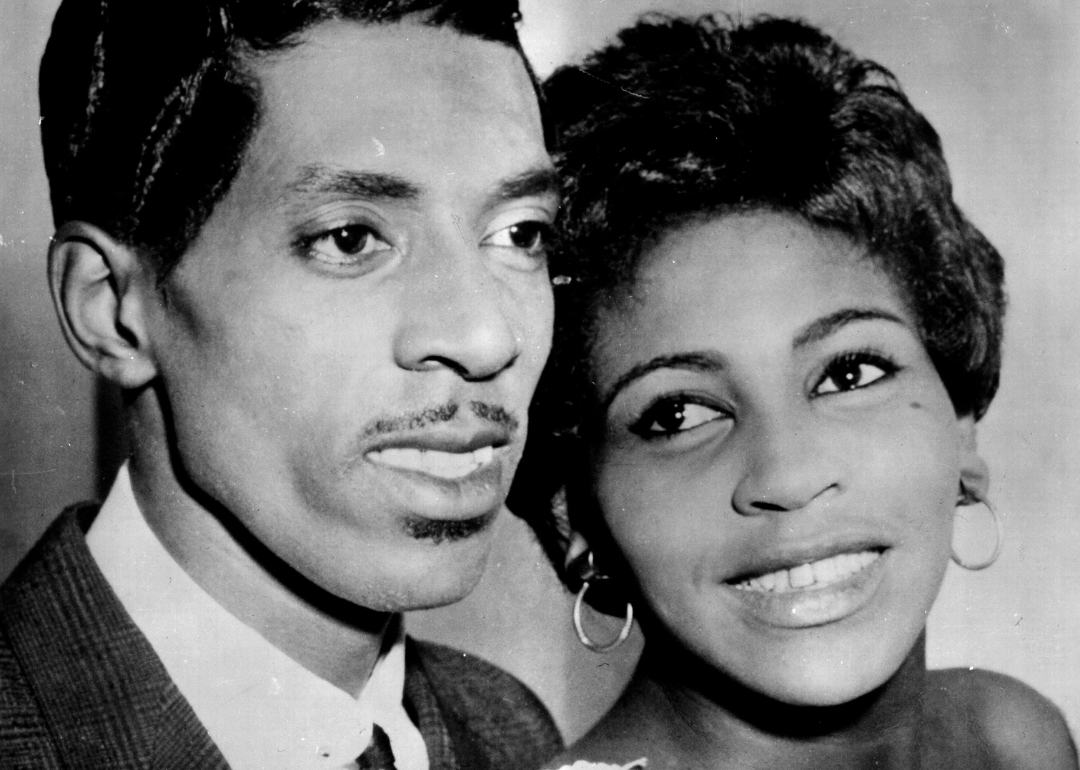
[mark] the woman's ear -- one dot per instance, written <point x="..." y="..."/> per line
<point x="97" y="287"/>
<point x="577" y="548"/>
<point x="974" y="473"/>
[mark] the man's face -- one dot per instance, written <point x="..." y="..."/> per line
<point x="349" y="348"/>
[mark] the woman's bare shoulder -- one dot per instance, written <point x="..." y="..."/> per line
<point x="633" y="730"/>
<point x="1018" y="727"/>
<point x="610" y="746"/>
<point x="569" y="762"/>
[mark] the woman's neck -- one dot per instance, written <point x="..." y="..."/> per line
<point x="702" y="719"/>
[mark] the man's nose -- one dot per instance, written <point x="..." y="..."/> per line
<point x="457" y="315"/>
<point x="789" y="465"/>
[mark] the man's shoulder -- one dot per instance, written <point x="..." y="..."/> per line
<point x="44" y="574"/>
<point x="496" y="708"/>
<point x="1018" y="726"/>
<point x="25" y="739"/>
<point x="54" y="579"/>
<point x="28" y="599"/>
<point x="79" y="684"/>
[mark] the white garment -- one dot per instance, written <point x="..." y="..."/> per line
<point x="262" y="709"/>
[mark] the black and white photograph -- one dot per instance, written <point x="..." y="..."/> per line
<point x="562" y="384"/>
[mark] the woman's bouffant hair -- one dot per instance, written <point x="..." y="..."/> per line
<point x="681" y="120"/>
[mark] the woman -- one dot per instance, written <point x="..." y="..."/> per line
<point x="776" y="333"/>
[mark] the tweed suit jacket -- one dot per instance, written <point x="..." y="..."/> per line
<point x="81" y="687"/>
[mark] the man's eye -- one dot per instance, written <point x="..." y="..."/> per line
<point x="346" y="245"/>
<point x="672" y="416"/>
<point x="530" y="237"/>
<point x="853" y="371"/>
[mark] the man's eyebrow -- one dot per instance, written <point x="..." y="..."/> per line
<point x="318" y="178"/>
<point x="697" y="361"/>
<point x="533" y="183"/>
<point x="830" y="324"/>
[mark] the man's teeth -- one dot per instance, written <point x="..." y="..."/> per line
<point x="814" y="575"/>
<point x="445" y="465"/>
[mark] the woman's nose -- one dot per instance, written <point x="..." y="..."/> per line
<point x="457" y="316"/>
<point x="788" y="466"/>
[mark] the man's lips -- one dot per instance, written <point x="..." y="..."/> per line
<point x="444" y="454"/>
<point x="433" y="462"/>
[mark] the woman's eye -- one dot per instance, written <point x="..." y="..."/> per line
<point x="852" y="372"/>
<point x="346" y="245"/>
<point x="672" y="416"/>
<point x="529" y="236"/>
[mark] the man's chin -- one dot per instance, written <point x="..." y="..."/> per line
<point x="445" y="566"/>
<point x="424" y="597"/>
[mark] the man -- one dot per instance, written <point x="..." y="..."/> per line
<point x="306" y="238"/>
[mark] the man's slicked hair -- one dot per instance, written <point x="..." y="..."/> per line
<point x="147" y="107"/>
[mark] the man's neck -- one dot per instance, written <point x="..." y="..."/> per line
<point x="334" y="639"/>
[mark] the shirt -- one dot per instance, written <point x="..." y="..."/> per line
<point x="262" y="709"/>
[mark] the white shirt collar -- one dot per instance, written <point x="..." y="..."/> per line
<point x="262" y="709"/>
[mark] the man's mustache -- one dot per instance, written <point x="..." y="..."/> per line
<point x="437" y="415"/>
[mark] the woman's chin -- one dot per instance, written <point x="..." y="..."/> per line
<point x="829" y="683"/>
<point x="814" y="693"/>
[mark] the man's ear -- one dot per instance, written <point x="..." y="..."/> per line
<point x="98" y="287"/>
<point x="974" y="473"/>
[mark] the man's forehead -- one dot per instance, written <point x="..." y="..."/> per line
<point x="412" y="103"/>
<point x="398" y="69"/>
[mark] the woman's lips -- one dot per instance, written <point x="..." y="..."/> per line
<point x="816" y="574"/>
<point x="813" y="593"/>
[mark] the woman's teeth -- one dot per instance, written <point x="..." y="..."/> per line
<point x="813" y="575"/>
<point x="444" y="465"/>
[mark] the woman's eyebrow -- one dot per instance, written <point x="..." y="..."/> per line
<point x="830" y="324"/>
<point x="698" y="361"/>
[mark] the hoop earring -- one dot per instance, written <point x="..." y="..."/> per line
<point x="628" y="623"/>
<point x="968" y="497"/>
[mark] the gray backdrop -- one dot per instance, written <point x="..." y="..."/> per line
<point x="999" y="79"/>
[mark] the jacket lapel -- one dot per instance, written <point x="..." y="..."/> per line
<point x="104" y="693"/>
<point x="423" y="706"/>
<point x="451" y="745"/>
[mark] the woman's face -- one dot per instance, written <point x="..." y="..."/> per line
<point x="779" y="461"/>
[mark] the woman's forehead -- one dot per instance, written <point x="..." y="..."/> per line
<point x="740" y="282"/>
